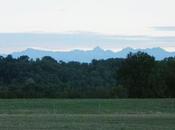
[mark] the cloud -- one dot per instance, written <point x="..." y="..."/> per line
<point x="164" y="28"/>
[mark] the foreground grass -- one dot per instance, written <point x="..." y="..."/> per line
<point x="89" y="114"/>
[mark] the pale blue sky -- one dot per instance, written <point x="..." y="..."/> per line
<point x="148" y="18"/>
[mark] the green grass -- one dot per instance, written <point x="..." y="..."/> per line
<point x="87" y="114"/>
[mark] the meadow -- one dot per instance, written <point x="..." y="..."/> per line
<point x="87" y="114"/>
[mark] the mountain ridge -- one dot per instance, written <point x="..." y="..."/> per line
<point x="87" y="55"/>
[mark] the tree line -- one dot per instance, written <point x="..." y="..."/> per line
<point x="137" y="76"/>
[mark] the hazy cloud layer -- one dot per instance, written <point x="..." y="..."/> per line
<point x="10" y="42"/>
<point x="121" y="17"/>
<point x="164" y="28"/>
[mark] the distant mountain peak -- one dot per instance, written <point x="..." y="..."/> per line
<point x="96" y="53"/>
<point x="30" y="49"/>
<point x="158" y="49"/>
<point x="98" y="49"/>
<point x="127" y="49"/>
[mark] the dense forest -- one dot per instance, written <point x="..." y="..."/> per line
<point x="137" y="76"/>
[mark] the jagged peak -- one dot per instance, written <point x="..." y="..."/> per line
<point x="30" y="49"/>
<point x="127" y="49"/>
<point x="158" y="48"/>
<point x="98" y="49"/>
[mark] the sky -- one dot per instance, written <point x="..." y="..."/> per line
<point x="69" y="24"/>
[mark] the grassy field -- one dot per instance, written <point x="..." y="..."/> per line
<point x="87" y="114"/>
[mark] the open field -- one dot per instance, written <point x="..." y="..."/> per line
<point x="87" y="114"/>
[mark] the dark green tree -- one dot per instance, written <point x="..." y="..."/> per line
<point x="134" y="74"/>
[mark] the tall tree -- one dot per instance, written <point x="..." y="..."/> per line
<point x="134" y="74"/>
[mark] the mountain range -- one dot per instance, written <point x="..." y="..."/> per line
<point x="96" y="53"/>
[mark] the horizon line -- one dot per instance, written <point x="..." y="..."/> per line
<point x="87" y="49"/>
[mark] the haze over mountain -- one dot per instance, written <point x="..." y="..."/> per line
<point x="67" y="25"/>
<point x="87" y="56"/>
